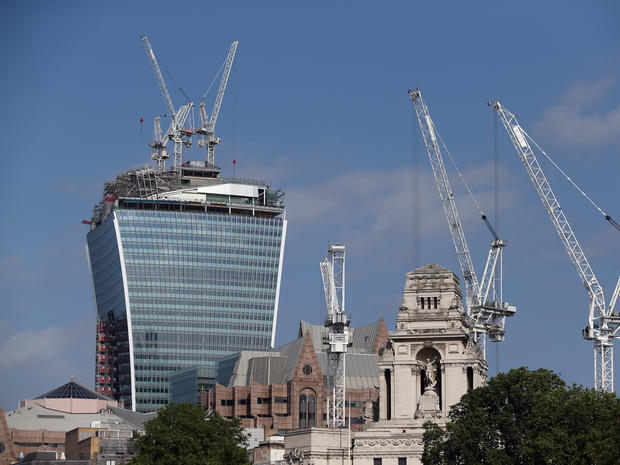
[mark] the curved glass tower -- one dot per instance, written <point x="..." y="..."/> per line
<point x="186" y="268"/>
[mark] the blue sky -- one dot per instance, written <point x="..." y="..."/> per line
<point x="317" y="104"/>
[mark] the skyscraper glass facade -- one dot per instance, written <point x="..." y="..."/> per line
<point x="182" y="283"/>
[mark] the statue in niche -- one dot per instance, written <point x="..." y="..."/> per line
<point x="430" y="374"/>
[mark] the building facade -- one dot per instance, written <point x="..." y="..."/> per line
<point x="428" y="364"/>
<point x="191" y="385"/>
<point x="41" y="424"/>
<point x="285" y="388"/>
<point x="186" y="269"/>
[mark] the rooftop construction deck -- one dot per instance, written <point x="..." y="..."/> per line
<point x="193" y="187"/>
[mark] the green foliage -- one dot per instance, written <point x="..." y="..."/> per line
<point x="183" y="434"/>
<point x="528" y="417"/>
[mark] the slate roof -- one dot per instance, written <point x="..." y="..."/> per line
<point x="363" y="338"/>
<point x="278" y="366"/>
<point x="72" y="390"/>
<point x="136" y="419"/>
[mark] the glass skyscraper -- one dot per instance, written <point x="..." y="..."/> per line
<point x="186" y="269"/>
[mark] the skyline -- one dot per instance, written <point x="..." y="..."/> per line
<point x="317" y="105"/>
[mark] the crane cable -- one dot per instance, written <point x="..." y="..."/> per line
<point x="213" y="82"/>
<point x="605" y="215"/>
<point x="482" y="214"/>
<point x="173" y="79"/>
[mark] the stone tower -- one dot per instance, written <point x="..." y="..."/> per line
<point x="427" y="366"/>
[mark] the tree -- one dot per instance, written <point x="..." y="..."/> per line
<point x="184" y="434"/>
<point x="527" y="417"/>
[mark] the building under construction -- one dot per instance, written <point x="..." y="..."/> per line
<point x="186" y="269"/>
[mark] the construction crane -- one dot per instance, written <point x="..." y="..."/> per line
<point x="338" y="339"/>
<point x="177" y="132"/>
<point x="487" y="317"/>
<point x="159" y="142"/>
<point x="207" y="125"/>
<point x="603" y="322"/>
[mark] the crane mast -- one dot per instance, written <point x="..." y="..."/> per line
<point x="603" y="323"/>
<point x="207" y="128"/>
<point x="487" y="317"/>
<point x="338" y="339"/>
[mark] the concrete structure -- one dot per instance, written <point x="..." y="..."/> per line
<point x="285" y="388"/>
<point x="33" y="428"/>
<point x="186" y="269"/>
<point x="270" y="451"/>
<point x="429" y="363"/>
<point x="47" y="457"/>
<point x="102" y="445"/>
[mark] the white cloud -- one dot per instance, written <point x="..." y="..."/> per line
<point x="24" y="347"/>
<point x="371" y="208"/>
<point x="573" y="125"/>
<point x="33" y="347"/>
<point x="9" y="263"/>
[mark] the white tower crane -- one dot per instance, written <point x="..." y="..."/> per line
<point x="177" y="131"/>
<point x="333" y="274"/>
<point x="207" y="125"/>
<point x="603" y="322"/>
<point x="487" y="316"/>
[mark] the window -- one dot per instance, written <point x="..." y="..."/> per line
<point x="242" y="401"/>
<point x="227" y="402"/>
<point x="435" y="304"/>
<point x="376" y="461"/>
<point x="302" y="411"/>
<point x="470" y="378"/>
<point x="263" y="400"/>
<point x="307" y="370"/>
<point x="280" y="400"/>
<point x="311" y="414"/>
<point x="402" y="460"/>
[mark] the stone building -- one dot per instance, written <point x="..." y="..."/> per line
<point x="285" y="388"/>
<point x="428" y="364"/>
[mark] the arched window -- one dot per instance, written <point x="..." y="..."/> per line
<point x="302" y="411"/>
<point x="311" y="410"/>
<point x="425" y="356"/>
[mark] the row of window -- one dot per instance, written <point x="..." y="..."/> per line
<point x="379" y="461"/>
<point x="227" y="247"/>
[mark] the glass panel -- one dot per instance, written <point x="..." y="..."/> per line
<point x="311" y="412"/>
<point x="302" y="411"/>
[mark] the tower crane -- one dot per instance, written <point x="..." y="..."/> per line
<point x="337" y="322"/>
<point x="176" y="132"/>
<point x="603" y="322"/>
<point x="160" y="154"/>
<point x="487" y="317"/>
<point x="207" y="125"/>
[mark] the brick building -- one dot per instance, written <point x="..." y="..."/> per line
<point x="286" y="388"/>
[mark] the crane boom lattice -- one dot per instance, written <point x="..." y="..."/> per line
<point x="487" y="316"/>
<point x="603" y="323"/>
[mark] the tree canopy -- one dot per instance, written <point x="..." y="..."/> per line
<point x="183" y="433"/>
<point x="528" y="417"/>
